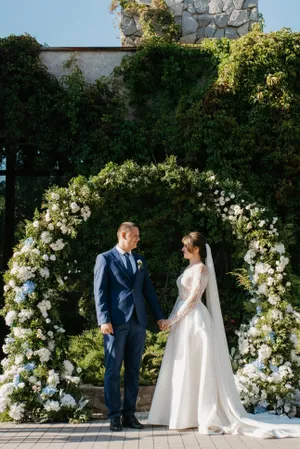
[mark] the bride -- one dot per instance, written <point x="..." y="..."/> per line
<point x="196" y="385"/>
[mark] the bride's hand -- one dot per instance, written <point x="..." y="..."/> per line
<point x="165" y="325"/>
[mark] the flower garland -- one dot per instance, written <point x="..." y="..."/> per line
<point x="39" y="383"/>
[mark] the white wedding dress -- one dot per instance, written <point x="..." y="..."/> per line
<point x="196" y="386"/>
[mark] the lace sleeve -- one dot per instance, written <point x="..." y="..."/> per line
<point x="192" y="299"/>
<point x="172" y="314"/>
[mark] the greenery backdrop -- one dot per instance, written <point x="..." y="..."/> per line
<point x="228" y="106"/>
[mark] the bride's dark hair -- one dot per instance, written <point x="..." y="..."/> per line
<point x="195" y="239"/>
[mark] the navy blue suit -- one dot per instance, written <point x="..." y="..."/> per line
<point x="120" y="300"/>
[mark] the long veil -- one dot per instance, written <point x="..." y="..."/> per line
<point x="231" y="412"/>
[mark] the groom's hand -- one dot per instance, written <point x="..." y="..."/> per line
<point x="106" y="328"/>
<point x="162" y="324"/>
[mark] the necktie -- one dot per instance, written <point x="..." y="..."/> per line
<point x="128" y="265"/>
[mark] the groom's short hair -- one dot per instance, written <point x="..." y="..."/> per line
<point x="126" y="227"/>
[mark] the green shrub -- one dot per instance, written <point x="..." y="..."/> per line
<point x="87" y="351"/>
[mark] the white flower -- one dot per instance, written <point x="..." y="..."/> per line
<point x="64" y="229"/>
<point x="16" y="411"/>
<point x="45" y="273"/>
<point x="85" y="212"/>
<point x="276" y="315"/>
<point x="244" y="346"/>
<point x="261" y="223"/>
<point x="289" y="309"/>
<point x="29" y="353"/>
<point x="45" y="257"/>
<point x="51" y="226"/>
<point x="32" y="379"/>
<point x="53" y="378"/>
<point x="25" y="314"/>
<point x="39" y="334"/>
<point x="273" y="299"/>
<point x="264" y="352"/>
<point x="263" y="394"/>
<point x="44" y="354"/>
<point x="263" y="289"/>
<point x="55" y="196"/>
<point x="54" y="207"/>
<point x="68" y="368"/>
<point x="10" y="317"/>
<point x="232" y="196"/>
<point x="24" y="273"/>
<point x="44" y="306"/>
<point x="275" y="377"/>
<point x="19" y="332"/>
<point x="253" y="331"/>
<point x="46" y="237"/>
<point x="12" y="283"/>
<point x="68" y="401"/>
<point x="51" y="345"/>
<point x="35" y="224"/>
<point x="48" y="216"/>
<point x="237" y="210"/>
<point x="73" y="379"/>
<point x="58" y="245"/>
<point x="282" y="263"/>
<point x="279" y="248"/>
<point x="52" y="406"/>
<point x="294" y="339"/>
<point x="74" y="207"/>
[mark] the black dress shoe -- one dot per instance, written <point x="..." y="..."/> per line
<point x="132" y="422"/>
<point x="115" y="424"/>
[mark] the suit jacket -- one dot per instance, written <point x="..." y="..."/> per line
<point x="116" y="293"/>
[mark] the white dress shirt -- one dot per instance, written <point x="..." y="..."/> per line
<point x="131" y="258"/>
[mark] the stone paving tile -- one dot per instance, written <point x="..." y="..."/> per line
<point x="97" y="435"/>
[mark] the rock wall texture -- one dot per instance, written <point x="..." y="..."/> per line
<point x="199" y="19"/>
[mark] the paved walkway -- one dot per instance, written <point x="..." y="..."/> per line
<point x="96" y="435"/>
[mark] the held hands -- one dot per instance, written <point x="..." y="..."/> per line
<point x="106" y="328"/>
<point x="164" y="324"/>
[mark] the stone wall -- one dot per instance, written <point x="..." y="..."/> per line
<point x="93" y="62"/>
<point x="199" y="19"/>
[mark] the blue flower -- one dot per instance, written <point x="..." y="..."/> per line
<point x="259" y="364"/>
<point x="49" y="391"/>
<point x="259" y="409"/>
<point x="28" y="287"/>
<point x="274" y="368"/>
<point x="258" y="310"/>
<point x="29" y="241"/>
<point x="29" y="366"/>
<point x="271" y="337"/>
<point x="20" y="297"/>
<point x="16" y="379"/>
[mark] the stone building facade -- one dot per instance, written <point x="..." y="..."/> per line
<point x="199" y="19"/>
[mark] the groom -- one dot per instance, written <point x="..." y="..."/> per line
<point x="121" y="283"/>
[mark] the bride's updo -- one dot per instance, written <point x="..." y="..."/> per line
<point x="195" y="239"/>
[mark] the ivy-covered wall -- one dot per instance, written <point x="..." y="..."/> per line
<point x="230" y="106"/>
<point x="196" y="19"/>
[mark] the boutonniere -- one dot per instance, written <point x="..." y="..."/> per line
<point x="139" y="264"/>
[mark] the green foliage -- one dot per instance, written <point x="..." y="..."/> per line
<point x="87" y="352"/>
<point x="232" y="107"/>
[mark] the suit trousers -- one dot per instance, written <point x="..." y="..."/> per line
<point x="125" y="344"/>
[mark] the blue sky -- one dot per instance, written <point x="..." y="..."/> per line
<point x="76" y="23"/>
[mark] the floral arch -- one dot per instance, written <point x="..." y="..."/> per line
<point x="39" y="383"/>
